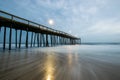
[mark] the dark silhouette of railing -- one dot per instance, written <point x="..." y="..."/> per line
<point x="57" y="37"/>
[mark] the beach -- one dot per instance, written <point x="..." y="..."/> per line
<point x="69" y="62"/>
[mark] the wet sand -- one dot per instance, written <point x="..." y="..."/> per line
<point x="85" y="62"/>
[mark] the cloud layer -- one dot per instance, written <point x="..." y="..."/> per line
<point x="92" y="20"/>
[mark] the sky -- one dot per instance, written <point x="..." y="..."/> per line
<point x="91" y="20"/>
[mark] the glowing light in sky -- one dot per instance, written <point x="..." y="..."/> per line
<point x="51" y="22"/>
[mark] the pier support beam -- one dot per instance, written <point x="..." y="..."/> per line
<point x="4" y="40"/>
<point x="34" y="39"/>
<point x="27" y="38"/>
<point x="10" y="38"/>
<point x="38" y="39"/>
<point x="43" y="38"/>
<point x="54" y="39"/>
<point x="31" y="38"/>
<point x="51" y="40"/>
<point x="57" y="40"/>
<point x="47" y="40"/>
<point x="42" y="42"/>
<point x="20" y="38"/>
<point x="60" y="39"/>
<point x="16" y="38"/>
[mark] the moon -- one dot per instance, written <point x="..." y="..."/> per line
<point x="51" y="22"/>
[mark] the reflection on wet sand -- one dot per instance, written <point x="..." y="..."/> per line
<point x="61" y="63"/>
<point x="49" y="65"/>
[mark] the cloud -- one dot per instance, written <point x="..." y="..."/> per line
<point x="104" y="27"/>
<point x="80" y="17"/>
<point x="89" y="10"/>
<point x="101" y="2"/>
<point x="68" y="9"/>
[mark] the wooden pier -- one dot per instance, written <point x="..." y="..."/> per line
<point x="43" y="35"/>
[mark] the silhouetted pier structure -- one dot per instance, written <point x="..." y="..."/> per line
<point x="44" y="36"/>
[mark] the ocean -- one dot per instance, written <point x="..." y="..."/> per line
<point x="66" y="62"/>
